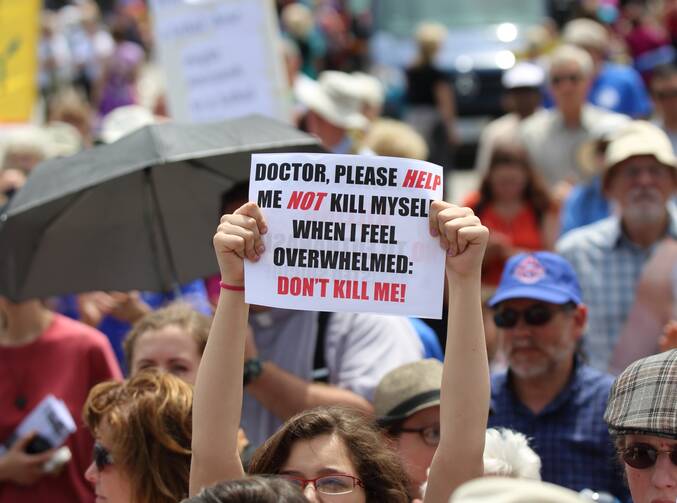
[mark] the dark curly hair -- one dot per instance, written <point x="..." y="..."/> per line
<point x="377" y="465"/>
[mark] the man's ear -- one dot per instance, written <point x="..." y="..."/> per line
<point x="580" y="320"/>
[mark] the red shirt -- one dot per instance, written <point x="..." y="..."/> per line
<point x="522" y="230"/>
<point x="67" y="360"/>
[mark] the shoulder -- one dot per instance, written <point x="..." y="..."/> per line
<point x="537" y="120"/>
<point x="593" y="385"/>
<point x="594" y="236"/>
<point x="65" y="329"/>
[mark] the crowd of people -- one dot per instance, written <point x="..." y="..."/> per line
<point x="552" y="375"/>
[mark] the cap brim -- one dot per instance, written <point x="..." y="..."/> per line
<point x="534" y="293"/>
<point x="388" y="420"/>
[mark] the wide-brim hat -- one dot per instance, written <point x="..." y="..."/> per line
<point x="334" y="97"/>
<point x="513" y="490"/>
<point x="408" y="389"/>
<point x="643" y="398"/>
<point x="639" y="138"/>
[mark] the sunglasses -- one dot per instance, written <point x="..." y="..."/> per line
<point x="666" y="95"/>
<point x="643" y="456"/>
<point x="570" y="77"/>
<point x="101" y="456"/>
<point x="534" y="315"/>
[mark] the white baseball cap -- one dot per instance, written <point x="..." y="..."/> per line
<point x="523" y="74"/>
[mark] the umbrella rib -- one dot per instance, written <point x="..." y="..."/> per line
<point x="153" y="213"/>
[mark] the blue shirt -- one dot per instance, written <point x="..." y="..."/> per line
<point x="569" y="434"/>
<point x="586" y="204"/>
<point x="193" y="293"/>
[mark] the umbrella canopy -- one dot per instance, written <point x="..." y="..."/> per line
<point x="139" y="213"/>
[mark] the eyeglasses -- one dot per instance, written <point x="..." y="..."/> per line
<point x="643" y="456"/>
<point x="574" y="78"/>
<point x="534" y="315"/>
<point x="632" y="171"/>
<point x="429" y="434"/>
<point x="328" y="484"/>
<point x="101" y="456"/>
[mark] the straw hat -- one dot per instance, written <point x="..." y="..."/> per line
<point x="639" y="138"/>
<point x="336" y="98"/>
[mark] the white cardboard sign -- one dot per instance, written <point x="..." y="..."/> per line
<point x="221" y="59"/>
<point x="347" y="233"/>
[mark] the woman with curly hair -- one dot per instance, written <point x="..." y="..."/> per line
<point x="142" y="429"/>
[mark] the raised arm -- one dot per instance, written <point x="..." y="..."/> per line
<point x="465" y="380"/>
<point x="217" y="403"/>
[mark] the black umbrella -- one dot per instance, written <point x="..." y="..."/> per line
<point x="135" y="214"/>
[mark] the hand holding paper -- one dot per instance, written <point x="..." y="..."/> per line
<point x="239" y="236"/>
<point x="21" y="468"/>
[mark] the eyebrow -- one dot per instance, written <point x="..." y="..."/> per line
<point x="325" y="470"/>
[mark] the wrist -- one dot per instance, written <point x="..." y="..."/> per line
<point x="252" y="370"/>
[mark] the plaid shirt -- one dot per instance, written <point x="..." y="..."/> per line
<point x="569" y="434"/>
<point x="608" y="266"/>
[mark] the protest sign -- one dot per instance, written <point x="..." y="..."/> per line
<point x="221" y="59"/>
<point x="19" y="28"/>
<point x="346" y="233"/>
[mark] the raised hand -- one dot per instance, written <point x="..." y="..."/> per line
<point x="239" y="236"/>
<point x="462" y="236"/>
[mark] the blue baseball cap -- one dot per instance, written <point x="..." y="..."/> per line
<point x="540" y="276"/>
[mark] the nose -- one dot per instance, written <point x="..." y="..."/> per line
<point x="311" y="493"/>
<point x="645" y="177"/>
<point x="91" y="473"/>
<point x="665" y="473"/>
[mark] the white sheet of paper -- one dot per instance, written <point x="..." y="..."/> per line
<point x="50" y="418"/>
<point x="346" y="233"/>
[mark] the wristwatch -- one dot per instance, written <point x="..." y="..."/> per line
<point x="252" y="370"/>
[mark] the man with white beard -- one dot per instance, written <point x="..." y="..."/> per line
<point x="640" y="177"/>
<point x="548" y="393"/>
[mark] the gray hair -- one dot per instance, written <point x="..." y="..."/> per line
<point x="507" y="453"/>
<point x="571" y="54"/>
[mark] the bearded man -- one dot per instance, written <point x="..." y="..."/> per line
<point x="639" y="179"/>
<point x="548" y="393"/>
